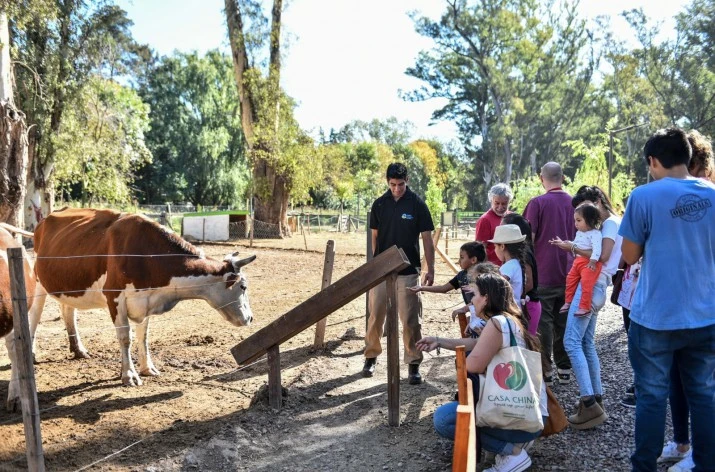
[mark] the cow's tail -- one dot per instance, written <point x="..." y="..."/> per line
<point x="15" y="229"/>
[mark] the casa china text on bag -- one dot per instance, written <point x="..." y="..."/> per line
<point x="509" y="397"/>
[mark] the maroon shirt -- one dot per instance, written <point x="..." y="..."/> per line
<point x="486" y="225"/>
<point x="551" y="215"/>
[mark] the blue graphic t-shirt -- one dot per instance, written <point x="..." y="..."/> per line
<point x="674" y="221"/>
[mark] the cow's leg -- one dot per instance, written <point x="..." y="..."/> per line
<point x="35" y="312"/>
<point x="13" y="391"/>
<point x="118" y="311"/>
<point x="69" y="314"/>
<point x="146" y="366"/>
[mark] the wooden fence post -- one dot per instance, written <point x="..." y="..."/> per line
<point x="393" y="353"/>
<point x="275" y="390"/>
<point x="253" y="226"/>
<point x="25" y="368"/>
<point x="319" y="340"/>
<point x="305" y="241"/>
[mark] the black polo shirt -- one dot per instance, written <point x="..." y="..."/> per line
<point x="400" y="223"/>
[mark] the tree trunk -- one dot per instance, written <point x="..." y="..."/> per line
<point x="240" y="66"/>
<point x="274" y="73"/>
<point x="5" y="64"/>
<point x="41" y="193"/>
<point x="13" y="139"/>
<point x="39" y="198"/>
<point x="270" y="188"/>
<point x="273" y="209"/>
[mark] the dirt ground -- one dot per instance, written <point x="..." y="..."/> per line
<point x="204" y="414"/>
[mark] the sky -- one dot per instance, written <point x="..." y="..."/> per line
<point x="345" y="59"/>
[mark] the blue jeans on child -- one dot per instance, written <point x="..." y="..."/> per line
<point x="652" y="354"/>
<point x="579" y="340"/>
<point x="498" y="441"/>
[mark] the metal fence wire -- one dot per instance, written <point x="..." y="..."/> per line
<point x="261" y="230"/>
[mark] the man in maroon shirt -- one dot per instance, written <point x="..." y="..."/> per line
<point x="500" y="196"/>
<point x="551" y="215"/>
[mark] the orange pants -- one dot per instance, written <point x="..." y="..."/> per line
<point x="581" y="273"/>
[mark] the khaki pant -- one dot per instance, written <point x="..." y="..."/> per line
<point x="409" y="308"/>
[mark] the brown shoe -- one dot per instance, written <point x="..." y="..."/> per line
<point x="587" y="417"/>
<point x="599" y="400"/>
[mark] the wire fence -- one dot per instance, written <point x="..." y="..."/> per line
<point x="433" y="303"/>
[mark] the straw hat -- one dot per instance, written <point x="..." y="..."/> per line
<point x="507" y="234"/>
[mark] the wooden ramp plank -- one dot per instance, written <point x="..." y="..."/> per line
<point x="320" y="305"/>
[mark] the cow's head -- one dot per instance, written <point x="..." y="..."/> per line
<point x="232" y="299"/>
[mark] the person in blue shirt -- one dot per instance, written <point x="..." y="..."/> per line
<point x="671" y="224"/>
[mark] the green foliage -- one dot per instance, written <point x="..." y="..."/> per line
<point x="524" y="190"/>
<point x="58" y="49"/>
<point x="196" y="135"/>
<point x="681" y="71"/>
<point x="279" y="142"/>
<point x="594" y="171"/>
<point x="434" y="201"/>
<point x="101" y="142"/>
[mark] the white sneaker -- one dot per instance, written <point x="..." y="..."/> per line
<point x="671" y="454"/>
<point x="510" y="463"/>
<point x="686" y="465"/>
<point x="563" y="376"/>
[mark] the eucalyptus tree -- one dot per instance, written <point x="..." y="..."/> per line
<point x="681" y="70"/>
<point x="516" y="75"/>
<point x="284" y="161"/>
<point x="13" y="137"/>
<point x="58" y="47"/>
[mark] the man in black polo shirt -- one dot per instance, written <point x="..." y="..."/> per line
<point x="399" y="217"/>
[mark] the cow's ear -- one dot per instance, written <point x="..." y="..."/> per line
<point x="231" y="278"/>
<point x="238" y="263"/>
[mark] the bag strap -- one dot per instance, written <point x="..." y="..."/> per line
<point x="512" y="339"/>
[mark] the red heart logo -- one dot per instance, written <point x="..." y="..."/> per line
<point x="501" y="373"/>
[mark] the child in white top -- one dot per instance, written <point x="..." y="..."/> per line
<point x="510" y="248"/>
<point x="585" y="269"/>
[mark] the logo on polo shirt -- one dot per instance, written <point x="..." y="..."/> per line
<point x="690" y="208"/>
<point x="407" y="216"/>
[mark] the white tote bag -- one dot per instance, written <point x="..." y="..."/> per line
<point x="509" y="397"/>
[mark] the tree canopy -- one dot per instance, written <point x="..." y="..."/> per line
<point x="525" y="81"/>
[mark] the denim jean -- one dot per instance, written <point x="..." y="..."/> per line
<point x="679" y="410"/>
<point x="579" y="340"/>
<point x="652" y="354"/>
<point x="498" y="441"/>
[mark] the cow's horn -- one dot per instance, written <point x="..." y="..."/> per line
<point x="237" y="264"/>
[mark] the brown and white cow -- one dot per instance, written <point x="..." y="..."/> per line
<point x="6" y="312"/>
<point x="133" y="266"/>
